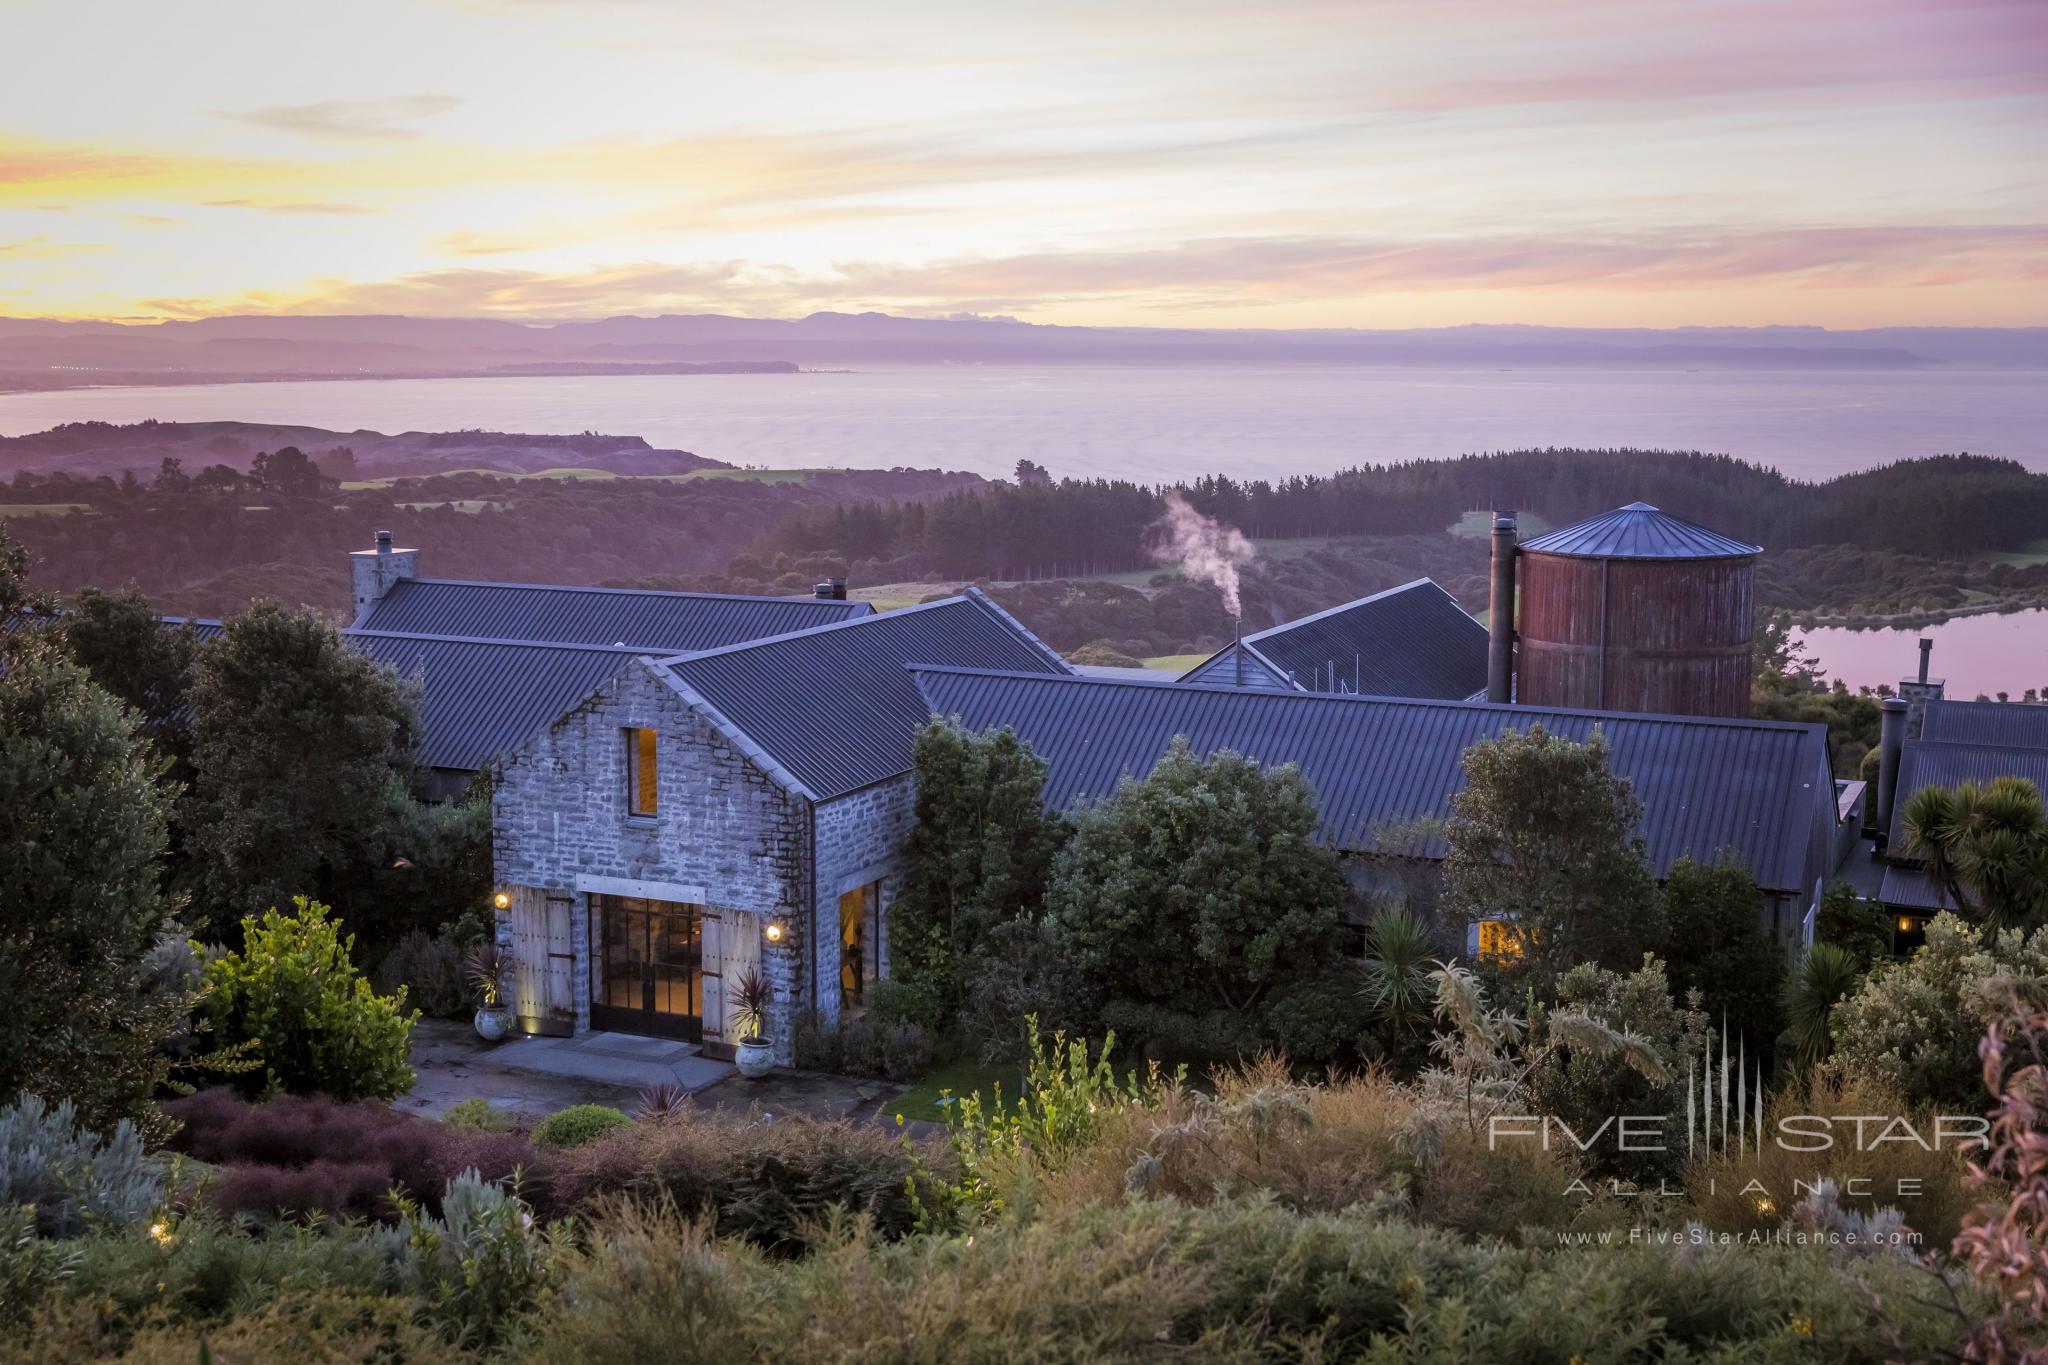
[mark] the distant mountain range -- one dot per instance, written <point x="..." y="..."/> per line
<point x="37" y="353"/>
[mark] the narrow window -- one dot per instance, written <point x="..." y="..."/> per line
<point x="643" y="784"/>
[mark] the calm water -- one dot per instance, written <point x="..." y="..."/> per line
<point x="1986" y="654"/>
<point x="1159" y="424"/>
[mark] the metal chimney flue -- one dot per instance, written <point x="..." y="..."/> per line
<point x="1926" y="652"/>
<point x="1500" y="620"/>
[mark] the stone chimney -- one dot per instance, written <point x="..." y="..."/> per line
<point x="375" y="572"/>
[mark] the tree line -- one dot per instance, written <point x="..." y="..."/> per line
<point x="1034" y="528"/>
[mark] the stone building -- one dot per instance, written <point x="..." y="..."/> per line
<point x="700" y="816"/>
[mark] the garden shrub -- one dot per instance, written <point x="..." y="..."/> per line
<point x="31" y="1266"/>
<point x="1722" y="1198"/>
<point x="475" y="1115"/>
<point x="578" y="1124"/>
<point x="481" y="1266"/>
<point x="318" y="1025"/>
<point x="74" y="1180"/>
<point x="1585" y="1087"/>
<point x="429" y="971"/>
<point x="1914" y="1026"/>
<point x="203" y="1268"/>
<point x="865" y="1047"/>
<point x="299" y="1155"/>
<point x="771" y="1184"/>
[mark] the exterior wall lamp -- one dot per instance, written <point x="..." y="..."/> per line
<point x="776" y="931"/>
<point x="503" y="900"/>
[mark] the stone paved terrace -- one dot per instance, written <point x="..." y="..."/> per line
<point x="530" y="1078"/>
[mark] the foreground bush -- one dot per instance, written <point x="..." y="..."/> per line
<point x="770" y="1184"/>
<point x="69" y="1179"/>
<point x="316" y="1023"/>
<point x="868" y="1046"/>
<point x="578" y="1124"/>
<point x="1914" y="1025"/>
<point x="1236" y="1281"/>
<point x="301" y="1155"/>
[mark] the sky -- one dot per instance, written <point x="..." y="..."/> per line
<point x="1290" y="163"/>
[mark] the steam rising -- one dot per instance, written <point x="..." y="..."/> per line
<point x="1207" y="550"/>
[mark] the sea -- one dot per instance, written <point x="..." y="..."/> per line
<point x="1155" y="424"/>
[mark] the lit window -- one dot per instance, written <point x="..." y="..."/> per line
<point x="643" y="786"/>
<point x="1497" y="941"/>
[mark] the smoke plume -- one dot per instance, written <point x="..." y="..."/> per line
<point x="1206" y="549"/>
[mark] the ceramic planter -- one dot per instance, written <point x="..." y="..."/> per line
<point x="755" y="1058"/>
<point x="493" y="1023"/>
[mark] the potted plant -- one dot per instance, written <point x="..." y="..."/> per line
<point x="750" y="997"/>
<point x="486" y="967"/>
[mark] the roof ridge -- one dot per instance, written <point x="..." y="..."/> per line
<point x="1353" y="698"/>
<point x="1286" y="626"/>
<point x="834" y="602"/>
<point x="872" y="618"/>
<point x="1003" y="614"/>
<point x="354" y="632"/>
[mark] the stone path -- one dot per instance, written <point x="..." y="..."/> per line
<point x="530" y="1078"/>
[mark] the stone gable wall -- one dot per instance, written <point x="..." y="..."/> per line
<point x="559" y="812"/>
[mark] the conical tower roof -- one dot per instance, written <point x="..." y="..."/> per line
<point x="1638" y="531"/>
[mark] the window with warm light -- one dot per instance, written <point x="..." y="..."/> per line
<point x="1496" y="940"/>
<point x="643" y="773"/>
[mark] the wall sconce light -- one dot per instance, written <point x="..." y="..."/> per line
<point x="1905" y="924"/>
<point x="775" y="931"/>
<point x="503" y="900"/>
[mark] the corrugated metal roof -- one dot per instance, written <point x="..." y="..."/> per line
<point x="205" y="627"/>
<point x="658" y="622"/>
<point x="1126" y="673"/>
<point x="2014" y="724"/>
<point x="1759" y="787"/>
<point x="835" y="706"/>
<point x="1941" y="763"/>
<point x="1410" y="641"/>
<point x="1910" y="888"/>
<point x="1638" y="531"/>
<point x="480" y="698"/>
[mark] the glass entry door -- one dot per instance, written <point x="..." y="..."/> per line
<point x="649" y="967"/>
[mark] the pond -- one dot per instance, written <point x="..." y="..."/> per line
<point x="1976" y="654"/>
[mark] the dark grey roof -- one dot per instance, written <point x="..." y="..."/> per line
<point x="1941" y="763"/>
<point x="835" y="706"/>
<point x="1638" y="531"/>
<point x="205" y="627"/>
<point x="655" y="622"/>
<point x="1759" y="787"/>
<point x="1410" y="641"/>
<point x="1910" y="888"/>
<point x="2013" y="724"/>
<point x="483" y="697"/>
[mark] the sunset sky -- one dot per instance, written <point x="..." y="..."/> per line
<point x="1283" y="164"/>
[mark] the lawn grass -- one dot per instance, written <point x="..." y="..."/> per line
<point x="745" y="475"/>
<point x="1175" y="663"/>
<point x="2033" y="552"/>
<point x="39" y="509"/>
<point x="962" y="1078"/>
